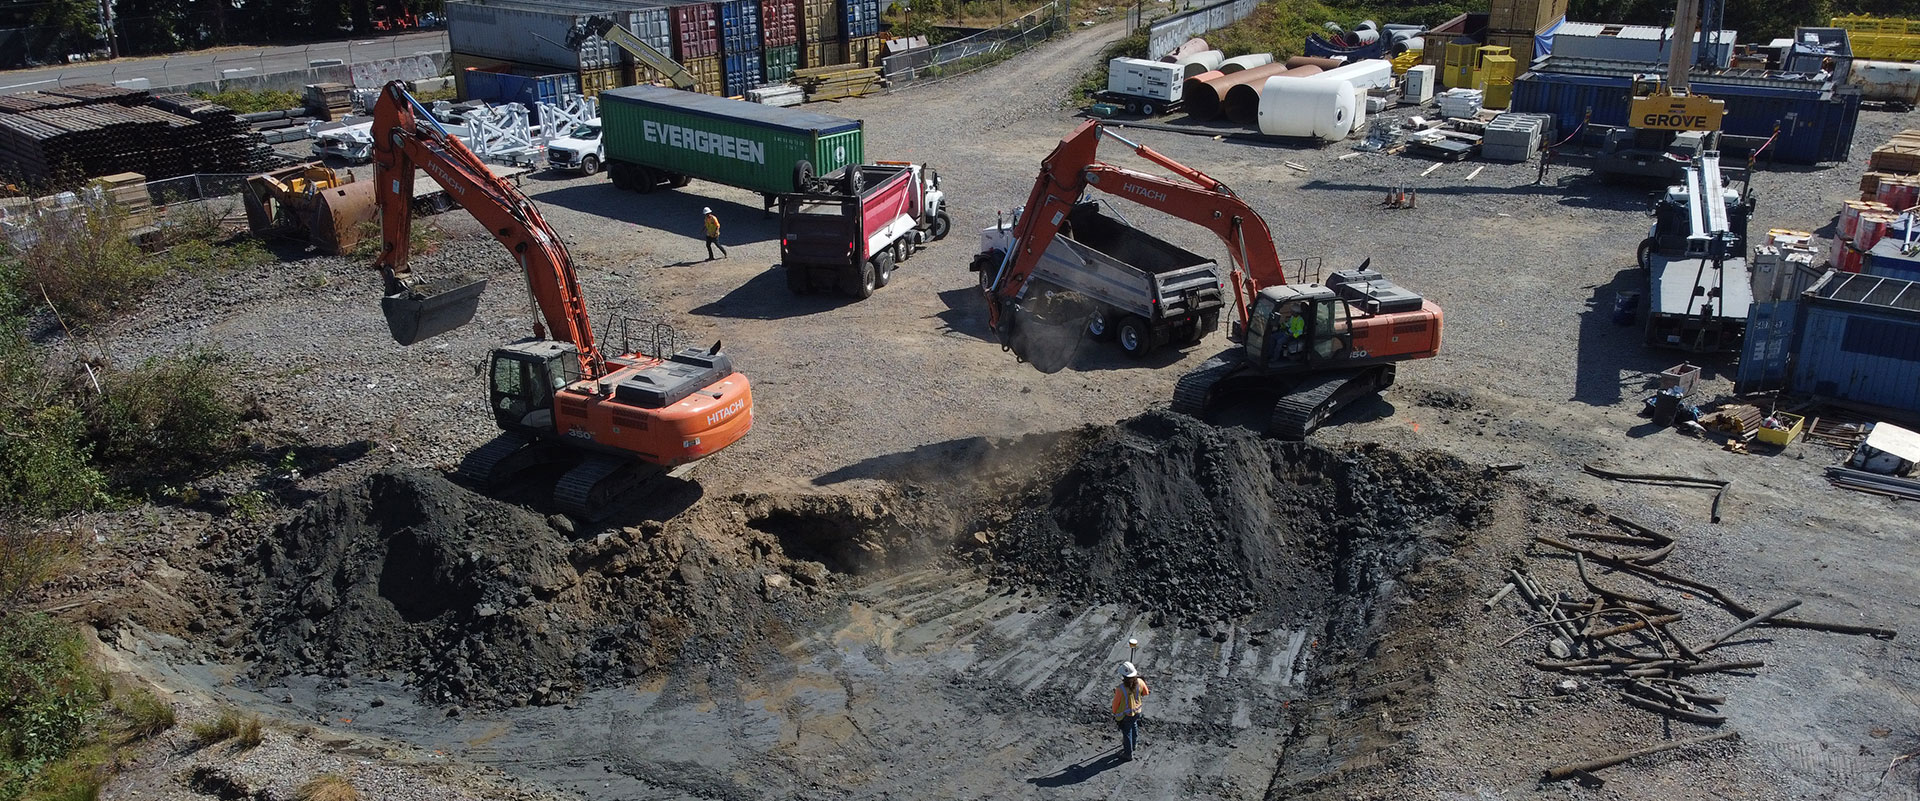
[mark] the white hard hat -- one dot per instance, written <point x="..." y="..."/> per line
<point x="706" y="209"/>
<point x="1128" y="671"/>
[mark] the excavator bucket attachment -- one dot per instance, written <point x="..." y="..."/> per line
<point x="338" y="218"/>
<point x="431" y="310"/>
<point x="1046" y="331"/>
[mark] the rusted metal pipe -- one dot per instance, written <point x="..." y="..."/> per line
<point x="1206" y="100"/>
<point x="1314" y="61"/>
<point x="1241" y="102"/>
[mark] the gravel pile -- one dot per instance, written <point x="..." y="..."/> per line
<point x="1201" y="523"/>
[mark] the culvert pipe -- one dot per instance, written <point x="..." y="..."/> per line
<point x="1315" y="61"/>
<point x="1207" y="100"/>
<point x="1316" y="107"/>
<point x="1188" y="47"/>
<point x="1204" y="61"/>
<point x="1241" y="102"/>
<point x="1246" y="62"/>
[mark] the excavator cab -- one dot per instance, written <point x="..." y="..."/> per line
<point x="1294" y="325"/>
<point x="522" y="381"/>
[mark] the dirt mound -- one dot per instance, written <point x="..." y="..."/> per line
<point x="483" y="603"/>
<point x="1202" y="523"/>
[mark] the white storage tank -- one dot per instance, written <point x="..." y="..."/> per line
<point x="1318" y="107"/>
<point x="1887" y="81"/>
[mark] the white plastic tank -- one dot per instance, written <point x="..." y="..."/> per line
<point x="1887" y="81"/>
<point x="1246" y="62"/>
<point x="1318" y="107"/>
<point x="1372" y="73"/>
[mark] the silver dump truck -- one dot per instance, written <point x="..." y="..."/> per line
<point x="1146" y="292"/>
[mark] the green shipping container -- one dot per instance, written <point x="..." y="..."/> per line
<point x="654" y="136"/>
<point x="780" y="62"/>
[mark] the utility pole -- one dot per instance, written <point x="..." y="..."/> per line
<point x="106" y="21"/>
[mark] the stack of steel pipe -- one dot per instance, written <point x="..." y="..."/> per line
<point x="1209" y="99"/>
<point x="1241" y="102"/>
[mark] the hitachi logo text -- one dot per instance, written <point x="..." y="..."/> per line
<point x="715" y="418"/>
<point x="731" y="147"/>
<point x="1150" y="194"/>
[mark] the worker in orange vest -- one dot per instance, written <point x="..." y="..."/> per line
<point x="712" y="224"/>
<point x="1126" y="707"/>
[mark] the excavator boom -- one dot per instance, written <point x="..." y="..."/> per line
<point x="405" y="137"/>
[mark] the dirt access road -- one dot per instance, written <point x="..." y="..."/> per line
<point x="925" y="679"/>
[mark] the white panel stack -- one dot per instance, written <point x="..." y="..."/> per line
<point x="1512" y="137"/>
<point x="1460" y="103"/>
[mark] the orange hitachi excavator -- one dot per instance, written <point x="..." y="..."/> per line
<point x="617" y="420"/>
<point x="1319" y="347"/>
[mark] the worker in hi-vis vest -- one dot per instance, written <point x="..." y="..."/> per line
<point x="713" y="233"/>
<point x="1126" y="707"/>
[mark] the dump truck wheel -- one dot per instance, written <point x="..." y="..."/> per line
<point x="797" y="280"/>
<point x="883" y="268"/>
<point x="942" y="225"/>
<point x="1100" y="327"/>
<point x="1136" y="336"/>
<point x="858" y="282"/>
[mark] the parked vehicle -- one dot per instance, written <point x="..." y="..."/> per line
<point x="581" y="150"/>
<point x="1147" y="292"/>
<point x="654" y="136"/>
<point x="849" y="230"/>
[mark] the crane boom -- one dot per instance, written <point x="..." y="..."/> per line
<point x="609" y="29"/>
<point x="406" y="136"/>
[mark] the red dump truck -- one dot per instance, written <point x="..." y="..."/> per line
<point x="851" y="227"/>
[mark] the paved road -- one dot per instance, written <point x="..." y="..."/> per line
<point x="186" y="68"/>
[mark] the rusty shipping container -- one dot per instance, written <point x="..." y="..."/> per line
<point x="819" y="22"/>
<point x="780" y="23"/>
<point x="696" y="31"/>
<point x="709" y="77"/>
<point x="823" y="54"/>
<point x="866" y="51"/>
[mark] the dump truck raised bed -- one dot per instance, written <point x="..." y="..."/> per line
<point x="849" y="230"/>
<point x="656" y="137"/>
<point x="1148" y="292"/>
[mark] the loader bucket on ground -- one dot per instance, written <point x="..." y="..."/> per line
<point x="338" y="218"/>
<point x="1047" y="331"/>
<point x="431" y="310"/>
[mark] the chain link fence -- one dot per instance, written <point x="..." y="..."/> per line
<point x="202" y="204"/>
<point x="979" y="50"/>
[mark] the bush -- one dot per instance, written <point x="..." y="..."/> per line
<point x="49" y="697"/>
<point x="244" y="730"/>
<point x="327" y="787"/>
<point x="45" y="463"/>
<point x="80" y="261"/>
<point x="165" y="416"/>
<point x="29" y="557"/>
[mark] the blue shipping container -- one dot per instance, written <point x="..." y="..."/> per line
<point x="529" y="91"/>
<point x="1823" y="121"/>
<point x="1892" y="258"/>
<point x="1859" y="341"/>
<point x="860" y="18"/>
<point x="740" y="26"/>
<point x="743" y="72"/>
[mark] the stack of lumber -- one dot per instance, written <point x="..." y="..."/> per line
<point x="329" y="101"/>
<point x="836" y="81"/>
<point x="1900" y="155"/>
<point x="1740" y="420"/>
<point x="128" y="193"/>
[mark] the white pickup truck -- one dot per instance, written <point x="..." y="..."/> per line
<point x="580" y="150"/>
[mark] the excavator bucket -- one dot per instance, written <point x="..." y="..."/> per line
<point x="431" y="310"/>
<point x="338" y="218"/>
<point x="1047" y="330"/>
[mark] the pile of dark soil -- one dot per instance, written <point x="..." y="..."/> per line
<point x="483" y="603"/>
<point x="1199" y="523"/>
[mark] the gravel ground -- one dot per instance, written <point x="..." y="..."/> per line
<point x="1532" y="371"/>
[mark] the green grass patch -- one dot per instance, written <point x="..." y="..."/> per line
<point x="244" y="730"/>
<point x="247" y="101"/>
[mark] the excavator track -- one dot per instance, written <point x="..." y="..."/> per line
<point x="1299" y="412"/>
<point x="589" y="490"/>
<point x="1192" y="392"/>
<point x="480" y="466"/>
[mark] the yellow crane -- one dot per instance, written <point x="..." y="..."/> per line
<point x="606" y="28"/>
<point x="1668" y="105"/>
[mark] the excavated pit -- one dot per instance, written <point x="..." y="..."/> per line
<point x="472" y="601"/>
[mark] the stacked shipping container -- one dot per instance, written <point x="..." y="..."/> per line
<point x="740" y="45"/>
